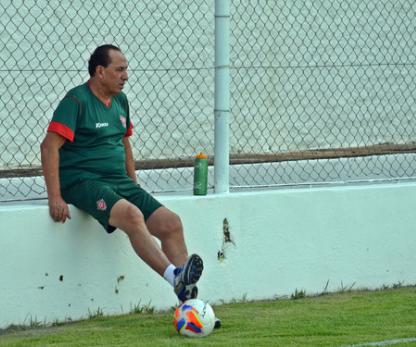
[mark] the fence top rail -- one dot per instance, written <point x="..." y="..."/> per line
<point x="248" y="158"/>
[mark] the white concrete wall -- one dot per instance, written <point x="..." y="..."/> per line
<point x="282" y="240"/>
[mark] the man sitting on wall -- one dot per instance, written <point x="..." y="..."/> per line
<point x="87" y="161"/>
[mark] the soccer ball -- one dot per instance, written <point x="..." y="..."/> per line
<point x="194" y="318"/>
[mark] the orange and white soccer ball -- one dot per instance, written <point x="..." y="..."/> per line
<point x="194" y="318"/>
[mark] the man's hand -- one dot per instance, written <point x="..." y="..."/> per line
<point x="58" y="209"/>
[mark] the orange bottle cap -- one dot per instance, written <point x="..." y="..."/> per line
<point x="201" y="156"/>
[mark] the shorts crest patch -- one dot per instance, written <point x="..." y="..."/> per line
<point x="101" y="205"/>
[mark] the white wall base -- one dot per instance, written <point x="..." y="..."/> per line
<point x="282" y="240"/>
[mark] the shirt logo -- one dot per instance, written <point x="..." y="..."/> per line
<point x="101" y="125"/>
<point x="123" y="120"/>
<point x="101" y="205"/>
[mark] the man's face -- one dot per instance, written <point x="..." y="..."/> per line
<point x="114" y="76"/>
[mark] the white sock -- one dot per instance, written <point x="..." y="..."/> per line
<point x="169" y="274"/>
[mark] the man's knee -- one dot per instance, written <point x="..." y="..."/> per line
<point x="164" y="223"/>
<point x="134" y="215"/>
<point x="171" y="225"/>
<point x="175" y="224"/>
<point x="125" y="215"/>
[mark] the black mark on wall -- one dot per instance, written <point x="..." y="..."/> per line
<point x="227" y="238"/>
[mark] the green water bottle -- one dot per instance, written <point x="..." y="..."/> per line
<point x="201" y="174"/>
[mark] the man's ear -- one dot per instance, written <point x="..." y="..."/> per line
<point x="99" y="70"/>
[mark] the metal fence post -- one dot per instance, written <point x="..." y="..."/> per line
<point x="222" y="97"/>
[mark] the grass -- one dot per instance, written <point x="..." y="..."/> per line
<point x="347" y="318"/>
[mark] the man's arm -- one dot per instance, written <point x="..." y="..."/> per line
<point x="130" y="166"/>
<point x="49" y="149"/>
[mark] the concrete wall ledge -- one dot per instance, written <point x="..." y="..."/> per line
<point x="279" y="241"/>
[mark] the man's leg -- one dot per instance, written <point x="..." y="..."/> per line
<point x="167" y="227"/>
<point x="128" y="218"/>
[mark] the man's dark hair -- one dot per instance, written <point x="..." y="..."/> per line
<point x="100" y="57"/>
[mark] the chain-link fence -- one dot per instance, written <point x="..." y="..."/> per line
<point x="320" y="91"/>
<point x="46" y="45"/>
<point x="330" y="82"/>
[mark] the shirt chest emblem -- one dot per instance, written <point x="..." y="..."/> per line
<point x="123" y="120"/>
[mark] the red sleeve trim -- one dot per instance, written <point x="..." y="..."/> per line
<point x="61" y="129"/>
<point x="129" y="131"/>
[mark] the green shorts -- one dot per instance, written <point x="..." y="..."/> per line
<point x="98" y="197"/>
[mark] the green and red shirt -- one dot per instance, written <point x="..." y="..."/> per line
<point x="94" y="133"/>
